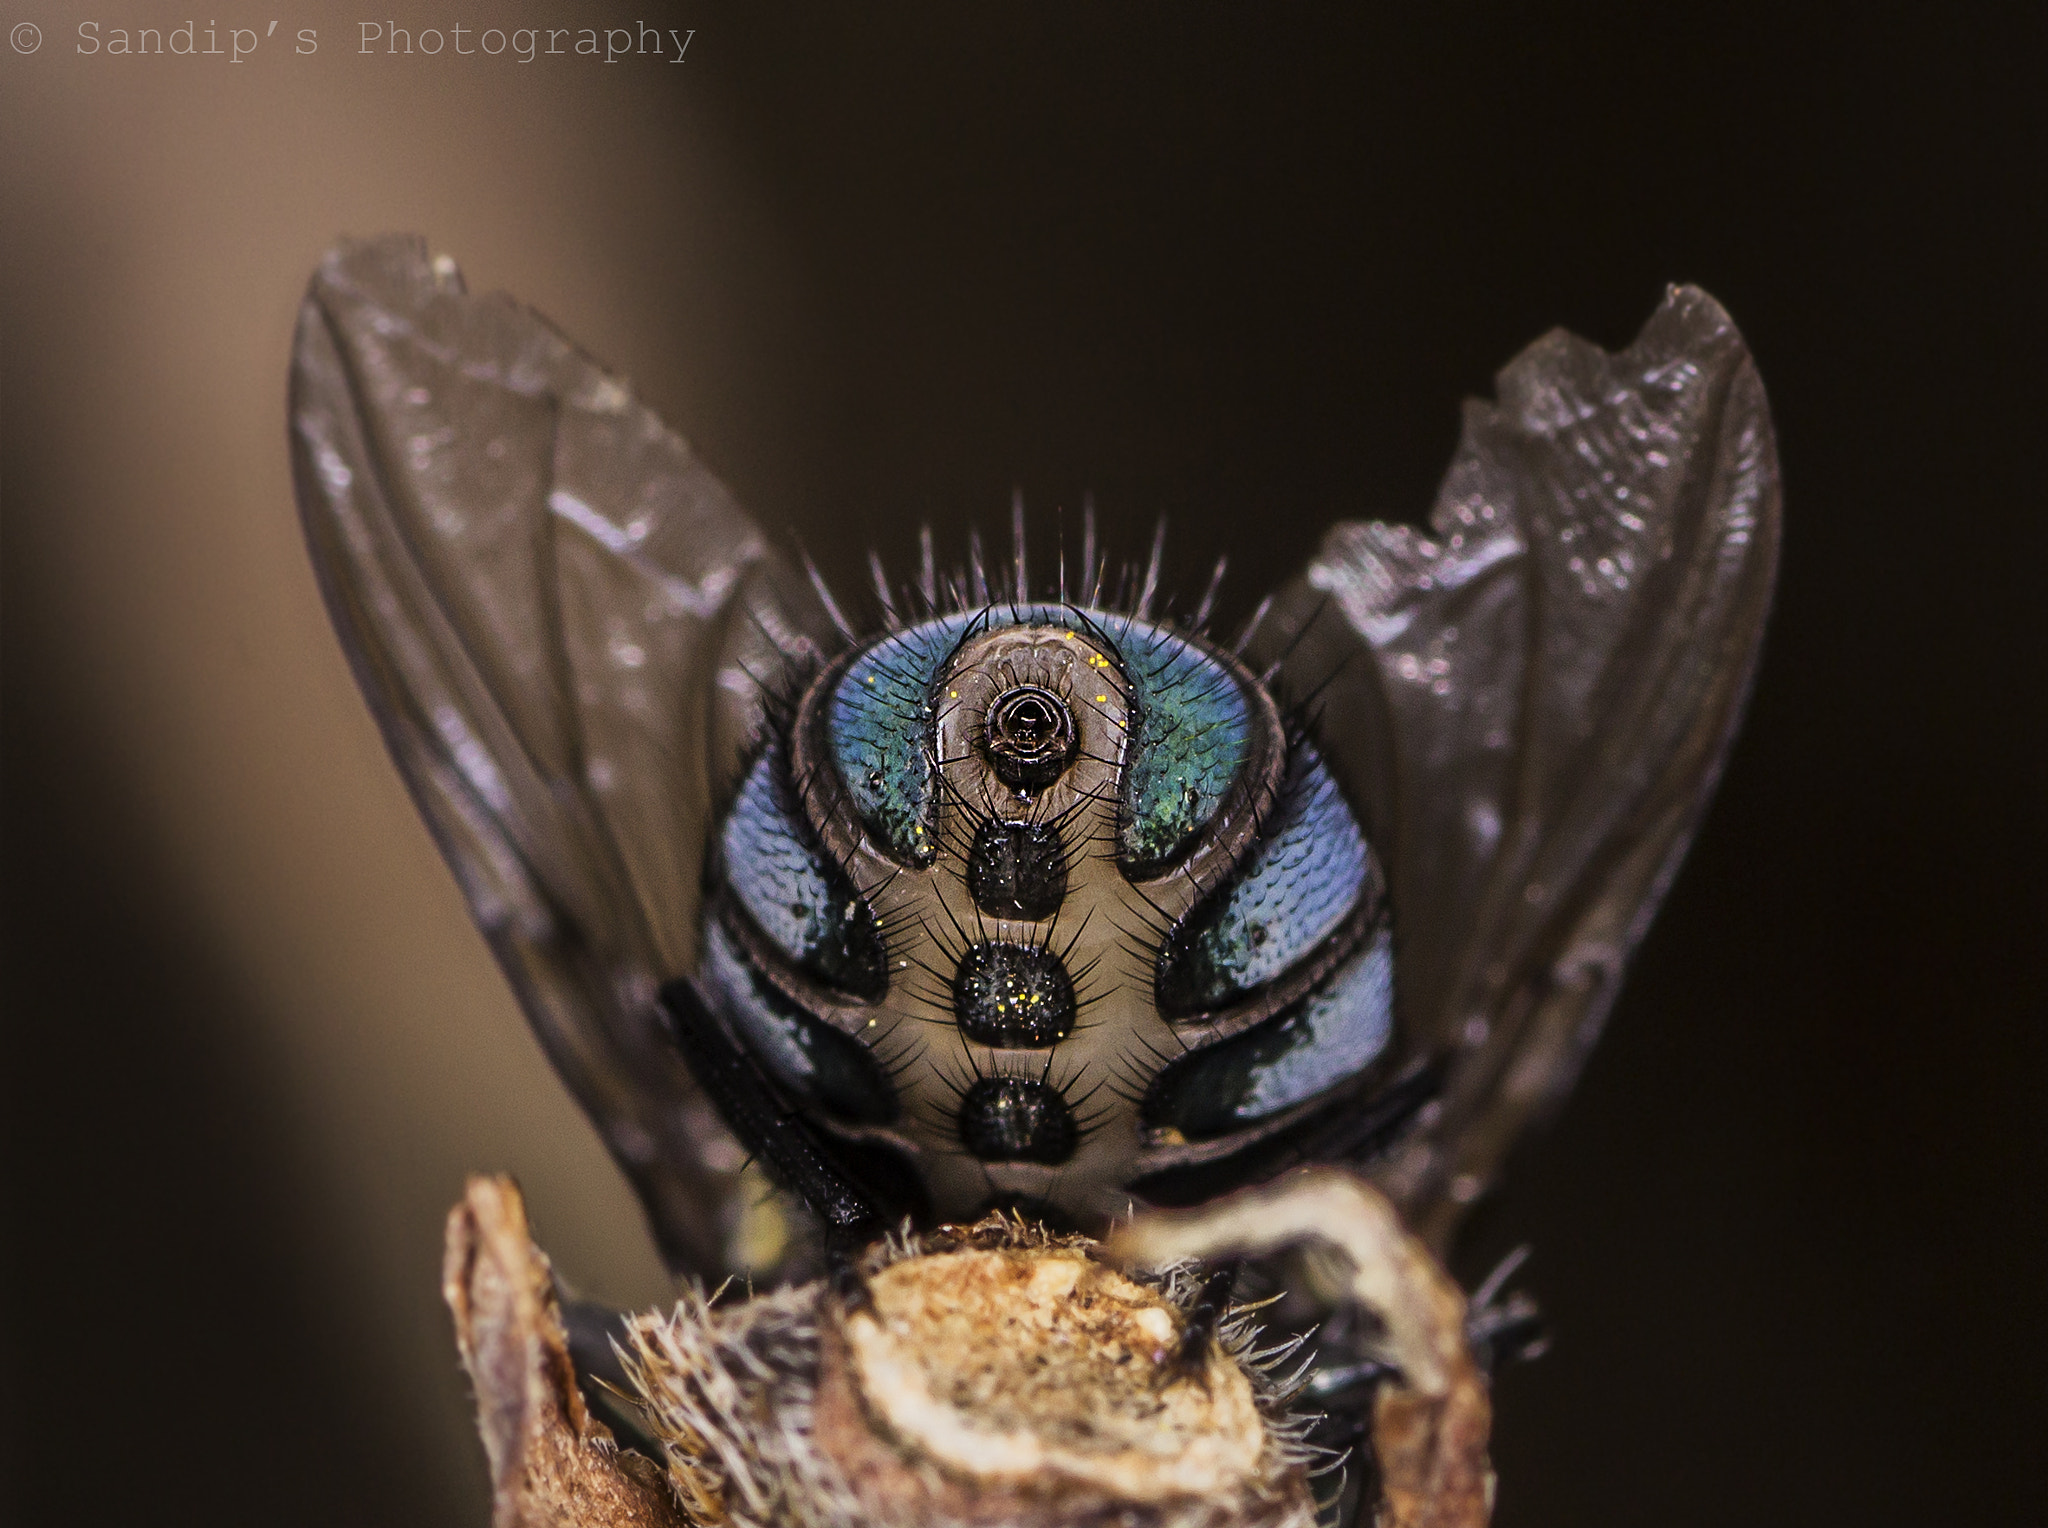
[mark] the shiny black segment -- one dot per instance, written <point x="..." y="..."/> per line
<point x="1012" y="1119"/>
<point x="813" y="1062"/>
<point x="853" y="958"/>
<point x="1029" y="736"/>
<point x="846" y="1079"/>
<point x="1351" y="1127"/>
<point x="1013" y="996"/>
<point x="1333" y="1034"/>
<point x="1017" y="869"/>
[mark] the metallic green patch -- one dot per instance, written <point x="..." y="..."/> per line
<point x="1190" y="738"/>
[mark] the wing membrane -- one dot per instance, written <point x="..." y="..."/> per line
<point x="1531" y="700"/>
<point x="558" y="616"/>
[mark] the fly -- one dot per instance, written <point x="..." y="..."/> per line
<point x="1025" y="892"/>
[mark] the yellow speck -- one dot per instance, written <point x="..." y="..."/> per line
<point x="953" y="694"/>
<point x="1101" y="698"/>
<point x="871" y="1023"/>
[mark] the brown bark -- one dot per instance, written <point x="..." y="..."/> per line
<point x="553" y="1465"/>
<point x="997" y="1378"/>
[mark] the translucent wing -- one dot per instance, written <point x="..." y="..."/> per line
<point x="1531" y="701"/>
<point x="560" y="619"/>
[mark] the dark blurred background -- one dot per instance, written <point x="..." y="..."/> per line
<point x="1234" y="265"/>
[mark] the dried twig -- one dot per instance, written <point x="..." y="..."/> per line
<point x="995" y="1375"/>
<point x="553" y="1465"/>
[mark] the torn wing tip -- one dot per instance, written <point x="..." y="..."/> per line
<point x="1689" y="322"/>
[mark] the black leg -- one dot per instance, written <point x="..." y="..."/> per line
<point x="1511" y="1332"/>
<point x="592" y="1329"/>
<point x="1348" y="1382"/>
<point x="842" y="1270"/>
<point x="783" y="1142"/>
<point x="1211" y="1301"/>
<point x="1503" y="1327"/>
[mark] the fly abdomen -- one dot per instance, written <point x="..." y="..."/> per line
<point x="1062" y="810"/>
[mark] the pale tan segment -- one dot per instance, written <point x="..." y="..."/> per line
<point x="1106" y="931"/>
<point x="1090" y="928"/>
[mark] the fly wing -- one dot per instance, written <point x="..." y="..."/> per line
<point x="562" y="622"/>
<point x="1531" y="700"/>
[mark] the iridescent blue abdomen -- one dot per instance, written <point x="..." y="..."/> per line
<point x="1068" y="880"/>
